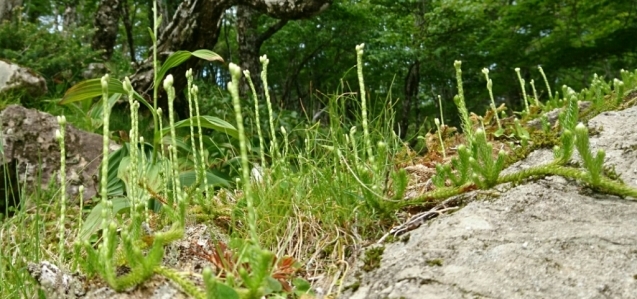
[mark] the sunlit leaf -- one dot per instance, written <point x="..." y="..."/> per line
<point x="94" y="220"/>
<point x="180" y="57"/>
<point x="188" y="178"/>
<point x="96" y="113"/>
<point x="209" y="122"/>
<point x="92" y="88"/>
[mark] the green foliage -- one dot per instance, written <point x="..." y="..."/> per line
<point x="59" y="57"/>
<point x="486" y="169"/>
<point x="593" y="164"/>
<point x="461" y="165"/>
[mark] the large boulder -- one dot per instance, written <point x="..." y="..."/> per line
<point x="30" y="146"/>
<point x="549" y="238"/>
<point x="16" y="78"/>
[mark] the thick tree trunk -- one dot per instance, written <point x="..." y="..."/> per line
<point x="106" y="25"/>
<point x="196" y="25"/>
<point x="250" y="41"/>
<point x="70" y="16"/>
<point x="128" y="27"/>
<point x="247" y="35"/>
<point x="412" y="85"/>
<point x="7" y="9"/>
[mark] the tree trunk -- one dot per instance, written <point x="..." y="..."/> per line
<point x="7" y="9"/>
<point x="412" y="84"/>
<point x="106" y="25"/>
<point x="250" y="41"/>
<point x="247" y="35"/>
<point x="196" y="25"/>
<point x="70" y="16"/>
<point x="128" y="27"/>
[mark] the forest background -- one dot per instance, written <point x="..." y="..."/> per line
<point x="410" y="48"/>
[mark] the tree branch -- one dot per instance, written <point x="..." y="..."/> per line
<point x="271" y="31"/>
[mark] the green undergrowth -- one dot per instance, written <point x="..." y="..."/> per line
<point x="288" y="202"/>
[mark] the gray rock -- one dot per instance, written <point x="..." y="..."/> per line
<point x="29" y="144"/>
<point x="14" y="78"/>
<point x="550" y="238"/>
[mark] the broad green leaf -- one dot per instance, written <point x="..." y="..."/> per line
<point x="152" y="35"/>
<point x="188" y="178"/>
<point x="301" y="286"/>
<point x="272" y="285"/>
<point x="90" y="89"/>
<point x="115" y="185"/>
<point x="96" y="113"/>
<point x="180" y="57"/>
<point x="220" y="290"/>
<point x="209" y="122"/>
<point x="93" y="88"/>
<point x="181" y="144"/>
<point x="207" y="55"/>
<point x="94" y="220"/>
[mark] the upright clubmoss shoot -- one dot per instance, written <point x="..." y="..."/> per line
<point x="485" y="71"/>
<point x="522" y="86"/>
<point x="442" y="116"/>
<point x="233" y="88"/>
<point x="548" y="86"/>
<point x="486" y="170"/>
<point x="462" y="107"/>
<point x="194" y="90"/>
<point x="274" y="150"/>
<point x="595" y="164"/>
<point x="177" y="191"/>
<point x="442" y="141"/>
<point x="196" y="155"/>
<point x="257" y="119"/>
<point x="352" y="138"/>
<point x="59" y="135"/>
<point x="361" y="84"/>
<point x="619" y="92"/>
<point x="133" y="151"/>
<point x="536" y="101"/>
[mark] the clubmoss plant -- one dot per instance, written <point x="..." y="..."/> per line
<point x="485" y="71"/>
<point x="442" y="115"/>
<point x="105" y="142"/>
<point x="361" y="84"/>
<point x="274" y="150"/>
<point x="619" y="92"/>
<point x="521" y="132"/>
<point x="486" y="170"/>
<point x="233" y="88"/>
<point x="548" y="86"/>
<point x="568" y="120"/>
<point x="462" y="166"/>
<point x="442" y="141"/>
<point x="352" y="138"/>
<point x="462" y="107"/>
<point x="257" y="119"/>
<point x="177" y="190"/>
<point x="593" y="164"/>
<point x="536" y="100"/>
<point x="196" y="155"/>
<point x="134" y="155"/>
<point x="522" y="86"/>
<point x="59" y="135"/>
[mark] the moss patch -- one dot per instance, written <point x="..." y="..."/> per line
<point x="372" y="258"/>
